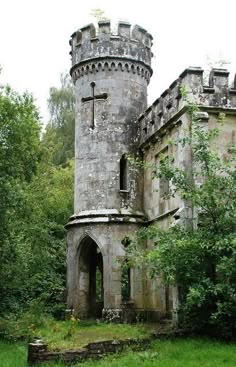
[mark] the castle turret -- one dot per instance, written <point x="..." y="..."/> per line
<point x="111" y="74"/>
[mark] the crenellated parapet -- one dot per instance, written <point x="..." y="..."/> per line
<point x="94" y="49"/>
<point x="217" y="94"/>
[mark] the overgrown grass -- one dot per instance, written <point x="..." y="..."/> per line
<point x="72" y="334"/>
<point x="165" y="353"/>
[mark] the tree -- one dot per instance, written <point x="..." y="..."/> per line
<point x="36" y="199"/>
<point x="40" y="237"/>
<point x="19" y="156"/>
<point x="59" y="135"/>
<point x="200" y="259"/>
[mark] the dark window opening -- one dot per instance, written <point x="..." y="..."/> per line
<point x="126" y="241"/>
<point x="164" y="185"/>
<point x="125" y="283"/>
<point x="123" y="173"/>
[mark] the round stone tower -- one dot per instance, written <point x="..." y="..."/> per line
<point x="111" y="74"/>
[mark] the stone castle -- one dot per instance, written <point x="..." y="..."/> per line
<point x="113" y="198"/>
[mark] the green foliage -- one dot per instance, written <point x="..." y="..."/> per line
<point x="40" y="238"/>
<point x="19" y="150"/>
<point x="200" y="255"/>
<point x="19" y="157"/>
<point x="36" y="200"/>
<point x="23" y="326"/>
<point x="19" y="136"/>
<point x="99" y="296"/>
<point x="59" y="135"/>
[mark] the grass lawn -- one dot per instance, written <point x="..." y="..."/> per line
<point x="13" y="354"/>
<point x="165" y="353"/>
<point x="176" y="353"/>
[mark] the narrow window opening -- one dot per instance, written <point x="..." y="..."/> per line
<point x="125" y="283"/>
<point x="123" y="173"/>
<point x="164" y="182"/>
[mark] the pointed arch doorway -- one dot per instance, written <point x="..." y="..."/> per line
<point x="90" y="267"/>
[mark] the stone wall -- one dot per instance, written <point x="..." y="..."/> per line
<point x="167" y="121"/>
<point x="170" y="105"/>
<point x="38" y="351"/>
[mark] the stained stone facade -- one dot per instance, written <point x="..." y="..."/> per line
<point x="113" y="198"/>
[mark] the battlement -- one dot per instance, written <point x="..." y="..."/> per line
<point x="216" y="94"/>
<point x="128" y="44"/>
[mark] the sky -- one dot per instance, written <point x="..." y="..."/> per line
<point x="34" y="38"/>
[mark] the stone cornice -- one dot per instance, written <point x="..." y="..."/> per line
<point x="106" y="216"/>
<point x="112" y="63"/>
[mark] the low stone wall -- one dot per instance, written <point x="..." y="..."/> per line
<point x="38" y="350"/>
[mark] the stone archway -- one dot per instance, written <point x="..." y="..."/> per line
<point x="90" y="266"/>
